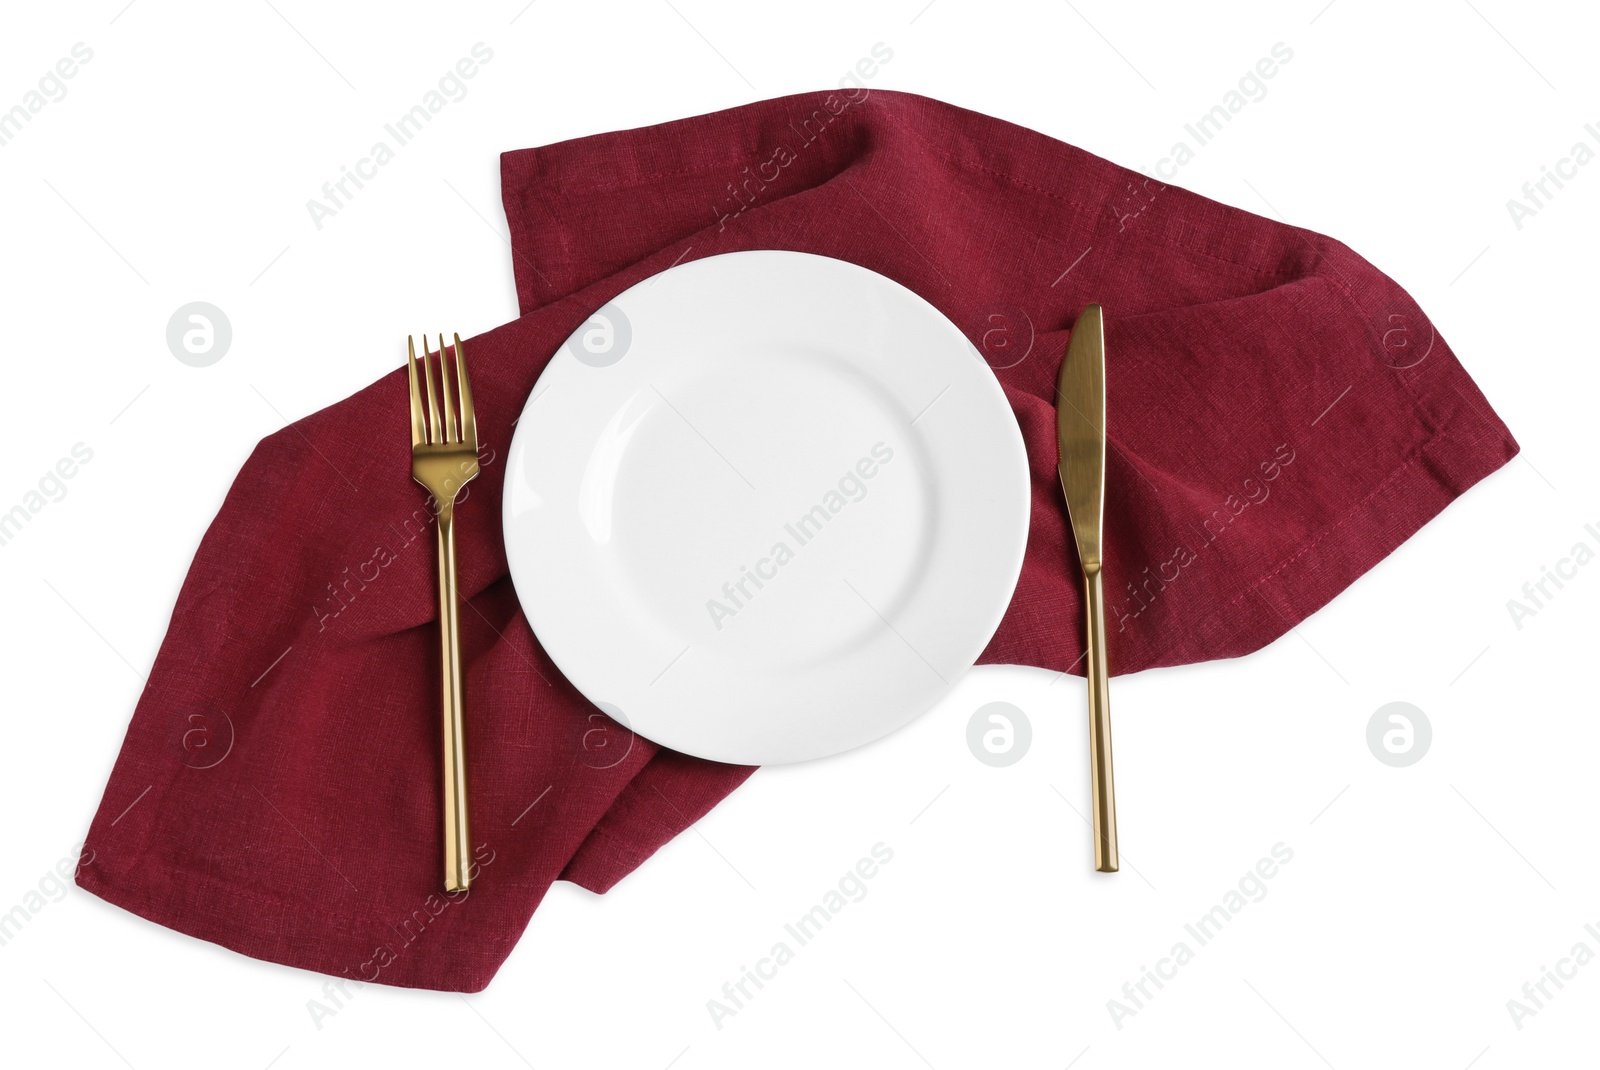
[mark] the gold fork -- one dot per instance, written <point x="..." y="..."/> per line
<point x="444" y="458"/>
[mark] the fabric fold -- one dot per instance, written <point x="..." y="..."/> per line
<point x="1281" y="416"/>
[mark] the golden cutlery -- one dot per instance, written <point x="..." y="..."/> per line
<point x="444" y="458"/>
<point x="1081" y="439"/>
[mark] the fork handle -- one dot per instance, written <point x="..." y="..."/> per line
<point x="457" y="839"/>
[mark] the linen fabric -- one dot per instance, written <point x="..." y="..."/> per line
<point x="1280" y="416"/>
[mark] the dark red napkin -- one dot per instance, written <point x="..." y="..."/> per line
<point x="1281" y="416"/>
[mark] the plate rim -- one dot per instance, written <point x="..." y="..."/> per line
<point x="1014" y="443"/>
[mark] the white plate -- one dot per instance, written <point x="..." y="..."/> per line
<point x="765" y="507"/>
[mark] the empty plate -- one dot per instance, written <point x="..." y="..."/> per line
<point x="766" y="506"/>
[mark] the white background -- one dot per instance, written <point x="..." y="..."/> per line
<point x="1418" y="901"/>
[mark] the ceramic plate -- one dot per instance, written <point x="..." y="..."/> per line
<point x="765" y="507"/>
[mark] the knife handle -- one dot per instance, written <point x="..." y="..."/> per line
<point x="1101" y="788"/>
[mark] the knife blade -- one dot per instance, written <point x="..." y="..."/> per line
<point x="1081" y="464"/>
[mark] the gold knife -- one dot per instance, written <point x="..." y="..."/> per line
<point x="1081" y="439"/>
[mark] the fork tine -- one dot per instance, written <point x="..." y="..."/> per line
<point x="419" y="434"/>
<point x="469" y="419"/>
<point x="433" y="411"/>
<point x="450" y="433"/>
